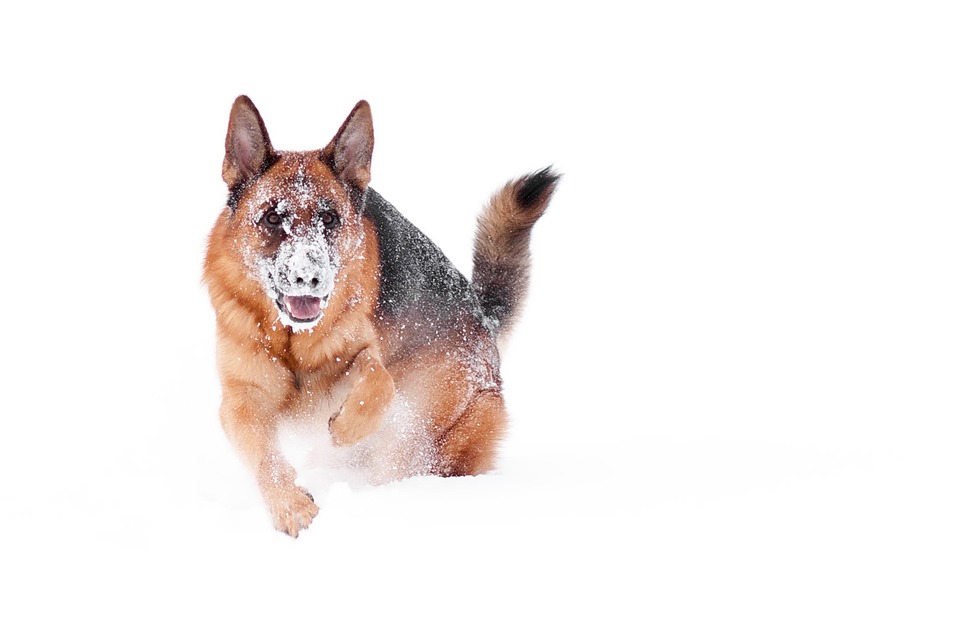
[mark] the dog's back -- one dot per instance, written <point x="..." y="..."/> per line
<point x="417" y="279"/>
<point x="418" y="284"/>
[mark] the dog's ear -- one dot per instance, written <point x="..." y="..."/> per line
<point x="350" y="151"/>
<point x="248" y="149"/>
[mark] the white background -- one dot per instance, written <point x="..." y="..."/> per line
<point x="733" y="391"/>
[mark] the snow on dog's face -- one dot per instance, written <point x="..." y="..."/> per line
<point x="297" y="214"/>
<point x="301" y="228"/>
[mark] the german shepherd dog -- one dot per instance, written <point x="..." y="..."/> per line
<point x="331" y="305"/>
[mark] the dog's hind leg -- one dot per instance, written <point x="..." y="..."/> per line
<point x="469" y="446"/>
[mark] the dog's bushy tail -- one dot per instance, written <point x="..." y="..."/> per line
<point x="501" y="250"/>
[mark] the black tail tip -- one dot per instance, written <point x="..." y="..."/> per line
<point x="534" y="188"/>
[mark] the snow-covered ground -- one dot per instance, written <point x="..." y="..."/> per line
<point x="734" y="390"/>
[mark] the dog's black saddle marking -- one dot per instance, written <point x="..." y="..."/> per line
<point x="415" y="275"/>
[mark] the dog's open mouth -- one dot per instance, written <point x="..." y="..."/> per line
<point x="302" y="308"/>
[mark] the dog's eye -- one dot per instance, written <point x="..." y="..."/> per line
<point x="271" y="219"/>
<point x="329" y="219"/>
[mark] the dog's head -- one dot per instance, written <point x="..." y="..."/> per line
<point x="296" y="215"/>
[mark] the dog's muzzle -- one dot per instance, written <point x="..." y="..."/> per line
<point x="303" y="277"/>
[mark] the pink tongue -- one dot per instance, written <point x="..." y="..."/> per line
<point x="303" y="308"/>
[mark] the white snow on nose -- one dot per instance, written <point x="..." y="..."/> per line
<point x="303" y="267"/>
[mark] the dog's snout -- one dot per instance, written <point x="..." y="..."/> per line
<point x="304" y="269"/>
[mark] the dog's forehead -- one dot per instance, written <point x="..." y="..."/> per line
<point x="298" y="182"/>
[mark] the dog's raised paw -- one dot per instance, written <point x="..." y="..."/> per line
<point x="347" y="428"/>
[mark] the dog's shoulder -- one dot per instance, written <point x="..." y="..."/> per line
<point x="415" y="275"/>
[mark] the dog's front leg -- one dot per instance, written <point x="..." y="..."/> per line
<point x="362" y="411"/>
<point x="249" y="418"/>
